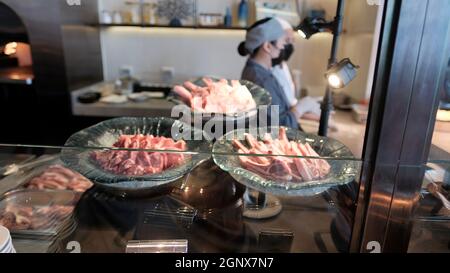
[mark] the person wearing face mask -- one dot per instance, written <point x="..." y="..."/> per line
<point x="264" y="43"/>
<point x="306" y="108"/>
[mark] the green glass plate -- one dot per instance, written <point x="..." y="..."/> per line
<point x="344" y="167"/>
<point x="77" y="153"/>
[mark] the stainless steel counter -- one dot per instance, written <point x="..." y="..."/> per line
<point x="148" y="108"/>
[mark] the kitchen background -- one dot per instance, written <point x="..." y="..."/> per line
<point x="76" y="49"/>
<point x="197" y="52"/>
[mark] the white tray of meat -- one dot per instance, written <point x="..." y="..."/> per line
<point x="37" y="213"/>
<point x="284" y="161"/>
<point x="234" y="98"/>
<point x="135" y="154"/>
<point x="45" y="173"/>
<point x="57" y="177"/>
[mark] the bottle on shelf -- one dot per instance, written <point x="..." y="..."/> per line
<point x="126" y="82"/>
<point x="106" y="17"/>
<point x="243" y="13"/>
<point x="150" y="13"/>
<point x="135" y="11"/>
<point x="227" y="19"/>
<point x="153" y="15"/>
<point x="117" y="18"/>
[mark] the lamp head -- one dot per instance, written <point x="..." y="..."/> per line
<point x="341" y="74"/>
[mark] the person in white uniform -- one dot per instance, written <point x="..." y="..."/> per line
<point x="307" y="107"/>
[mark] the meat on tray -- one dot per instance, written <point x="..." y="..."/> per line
<point x="277" y="166"/>
<point x="217" y="97"/>
<point x="16" y="217"/>
<point x="57" y="177"/>
<point x="130" y="162"/>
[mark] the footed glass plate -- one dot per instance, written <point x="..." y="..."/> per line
<point x="344" y="167"/>
<point x="79" y="148"/>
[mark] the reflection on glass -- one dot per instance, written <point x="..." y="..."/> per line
<point x="206" y="206"/>
<point x="432" y="219"/>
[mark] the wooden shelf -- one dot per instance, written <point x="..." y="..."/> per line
<point x="276" y="11"/>
<point x="167" y="26"/>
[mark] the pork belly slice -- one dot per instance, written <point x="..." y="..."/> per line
<point x="283" y="139"/>
<point x="312" y="163"/>
<point x="286" y="160"/>
<point x="253" y="150"/>
<point x="259" y="145"/>
<point x="275" y="167"/>
<point x="301" y="164"/>
<point x="141" y="162"/>
<point x="239" y="146"/>
<point x="216" y="97"/>
<point x="209" y="82"/>
<point x="323" y="166"/>
<point x="278" y="170"/>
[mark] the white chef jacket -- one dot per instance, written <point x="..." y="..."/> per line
<point x="284" y="78"/>
<point x="307" y="104"/>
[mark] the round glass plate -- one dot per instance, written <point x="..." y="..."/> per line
<point x="77" y="153"/>
<point x="344" y="167"/>
<point x="259" y="94"/>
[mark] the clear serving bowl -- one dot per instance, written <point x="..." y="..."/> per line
<point x="344" y="166"/>
<point x="78" y="150"/>
<point x="40" y="199"/>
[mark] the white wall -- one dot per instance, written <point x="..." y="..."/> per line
<point x="198" y="52"/>
<point x="191" y="52"/>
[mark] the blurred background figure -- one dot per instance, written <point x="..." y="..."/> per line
<point x="307" y="107"/>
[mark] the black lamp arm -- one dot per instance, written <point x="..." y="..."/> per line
<point x="326" y="25"/>
<point x="327" y="103"/>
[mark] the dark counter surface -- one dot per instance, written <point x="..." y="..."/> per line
<point x="148" y="108"/>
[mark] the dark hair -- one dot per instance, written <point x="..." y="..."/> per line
<point x="242" y="50"/>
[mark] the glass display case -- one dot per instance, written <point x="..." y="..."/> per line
<point x="207" y="197"/>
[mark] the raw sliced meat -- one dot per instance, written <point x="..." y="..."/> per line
<point x="216" y="97"/>
<point x="286" y="160"/>
<point x="141" y="162"/>
<point x="57" y="177"/>
<point x="16" y="217"/>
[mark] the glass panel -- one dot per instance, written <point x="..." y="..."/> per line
<point x="49" y="207"/>
<point x="432" y="221"/>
